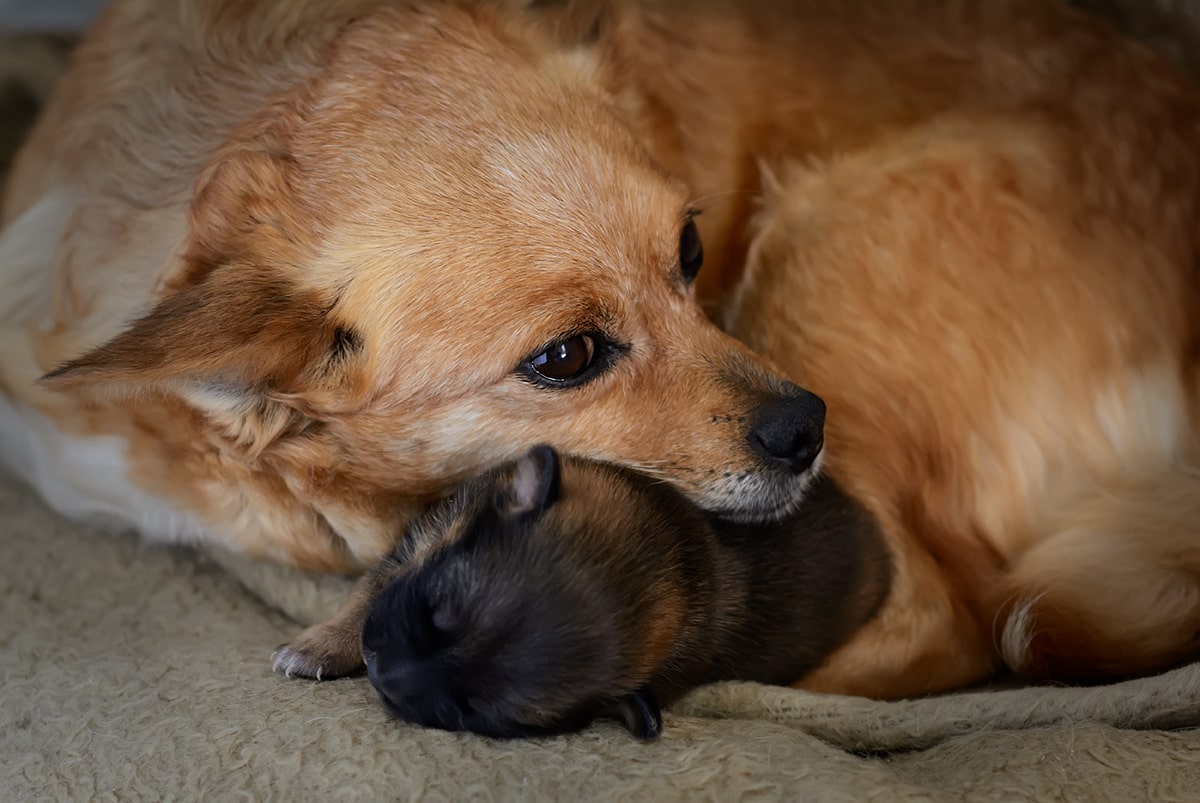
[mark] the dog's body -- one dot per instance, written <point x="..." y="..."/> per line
<point x="289" y="257"/>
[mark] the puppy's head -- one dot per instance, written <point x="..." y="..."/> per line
<point x="539" y="597"/>
<point x="443" y="248"/>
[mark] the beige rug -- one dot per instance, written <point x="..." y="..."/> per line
<point x="131" y="672"/>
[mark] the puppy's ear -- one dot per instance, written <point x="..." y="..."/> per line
<point x="640" y="713"/>
<point x="235" y="324"/>
<point x="534" y="485"/>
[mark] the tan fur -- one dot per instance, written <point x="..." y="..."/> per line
<point x="1031" y="328"/>
<point x="971" y="228"/>
<point x="1116" y="557"/>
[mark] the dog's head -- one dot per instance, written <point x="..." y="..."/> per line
<point x="443" y="248"/>
<point x="540" y="596"/>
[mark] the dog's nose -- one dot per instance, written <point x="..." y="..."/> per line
<point x="790" y="430"/>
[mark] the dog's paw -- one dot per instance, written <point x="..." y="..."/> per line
<point x="316" y="653"/>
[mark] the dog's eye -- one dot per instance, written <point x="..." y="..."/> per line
<point x="565" y="361"/>
<point x="691" y="251"/>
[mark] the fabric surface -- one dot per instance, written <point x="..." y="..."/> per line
<point x="131" y="671"/>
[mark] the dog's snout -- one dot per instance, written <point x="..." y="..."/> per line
<point x="789" y="431"/>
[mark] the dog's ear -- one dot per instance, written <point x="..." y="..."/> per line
<point x="232" y="331"/>
<point x="534" y="485"/>
<point x="236" y="323"/>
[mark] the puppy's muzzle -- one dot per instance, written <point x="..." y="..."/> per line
<point x="789" y="431"/>
<point x="410" y="676"/>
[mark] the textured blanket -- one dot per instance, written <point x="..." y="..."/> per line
<point x="130" y="671"/>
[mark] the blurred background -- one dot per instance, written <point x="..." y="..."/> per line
<point x="47" y="16"/>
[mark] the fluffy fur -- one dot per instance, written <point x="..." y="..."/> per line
<point x="292" y="255"/>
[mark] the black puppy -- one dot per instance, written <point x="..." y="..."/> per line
<point x="550" y="592"/>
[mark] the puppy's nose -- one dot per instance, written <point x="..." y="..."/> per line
<point x="400" y="682"/>
<point x="413" y="688"/>
<point x="789" y="431"/>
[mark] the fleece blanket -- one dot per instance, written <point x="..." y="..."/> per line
<point x="131" y="671"/>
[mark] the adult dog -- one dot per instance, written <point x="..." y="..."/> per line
<point x="291" y="270"/>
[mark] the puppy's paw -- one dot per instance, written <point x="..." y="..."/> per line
<point x="320" y="653"/>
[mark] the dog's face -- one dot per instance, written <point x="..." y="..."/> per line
<point x="443" y="249"/>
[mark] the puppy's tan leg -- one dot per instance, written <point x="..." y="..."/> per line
<point x="1113" y="590"/>
<point x="333" y="648"/>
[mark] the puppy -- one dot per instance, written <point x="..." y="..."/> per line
<point x="547" y="593"/>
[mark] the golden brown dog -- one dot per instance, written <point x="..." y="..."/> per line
<point x="295" y="270"/>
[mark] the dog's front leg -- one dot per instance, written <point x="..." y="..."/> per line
<point x="333" y="648"/>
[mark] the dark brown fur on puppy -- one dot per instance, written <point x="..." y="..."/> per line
<point x="547" y="593"/>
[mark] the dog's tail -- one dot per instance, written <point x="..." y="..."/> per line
<point x="1113" y="588"/>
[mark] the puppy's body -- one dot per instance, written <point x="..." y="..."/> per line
<point x="541" y="596"/>
<point x="971" y="227"/>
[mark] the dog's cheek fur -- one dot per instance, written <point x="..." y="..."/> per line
<point x="678" y="406"/>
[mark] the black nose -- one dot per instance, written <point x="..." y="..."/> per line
<point x="789" y="431"/>
<point x="399" y="676"/>
<point x="412" y="685"/>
